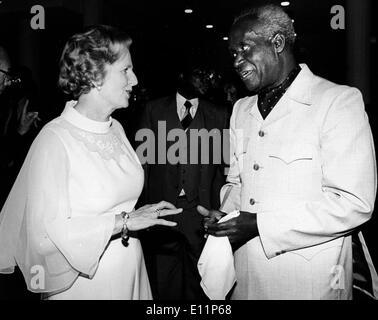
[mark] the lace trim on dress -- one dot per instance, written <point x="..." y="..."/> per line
<point x="108" y="146"/>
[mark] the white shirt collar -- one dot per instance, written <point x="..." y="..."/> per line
<point x="181" y="108"/>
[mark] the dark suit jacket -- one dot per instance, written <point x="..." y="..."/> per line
<point x="161" y="181"/>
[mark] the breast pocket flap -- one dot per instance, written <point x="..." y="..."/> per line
<point x="293" y="154"/>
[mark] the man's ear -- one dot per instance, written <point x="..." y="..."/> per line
<point x="279" y="42"/>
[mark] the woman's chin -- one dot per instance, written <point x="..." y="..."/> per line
<point x="123" y="105"/>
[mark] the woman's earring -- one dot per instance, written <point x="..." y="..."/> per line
<point x="98" y="87"/>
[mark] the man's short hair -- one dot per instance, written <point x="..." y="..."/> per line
<point x="272" y="19"/>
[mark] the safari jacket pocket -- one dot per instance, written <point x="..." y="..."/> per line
<point x="310" y="252"/>
<point x="294" y="165"/>
<point x="240" y="154"/>
<point x="293" y="154"/>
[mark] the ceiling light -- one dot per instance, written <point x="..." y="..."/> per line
<point x="225" y="38"/>
<point x="188" y="10"/>
<point x="285" y="3"/>
<point x="209" y="26"/>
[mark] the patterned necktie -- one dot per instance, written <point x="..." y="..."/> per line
<point x="185" y="122"/>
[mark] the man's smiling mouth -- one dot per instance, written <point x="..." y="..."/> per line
<point x="245" y="74"/>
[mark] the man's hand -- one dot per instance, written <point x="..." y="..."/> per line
<point x="239" y="230"/>
<point x="28" y="118"/>
<point x="210" y="216"/>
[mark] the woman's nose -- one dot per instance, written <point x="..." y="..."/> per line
<point x="133" y="80"/>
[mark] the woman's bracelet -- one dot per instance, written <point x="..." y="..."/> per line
<point x="125" y="231"/>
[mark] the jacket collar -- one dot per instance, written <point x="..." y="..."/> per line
<point x="299" y="91"/>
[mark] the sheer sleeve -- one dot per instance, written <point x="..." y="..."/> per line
<point x="50" y="236"/>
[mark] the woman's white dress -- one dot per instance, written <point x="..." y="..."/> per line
<point x="78" y="175"/>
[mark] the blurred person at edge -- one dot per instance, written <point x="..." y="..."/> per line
<point x="70" y="216"/>
<point x="5" y="68"/>
<point x="17" y="124"/>
<point x="302" y="175"/>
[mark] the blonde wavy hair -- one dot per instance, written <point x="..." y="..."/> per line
<point x="85" y="56"/>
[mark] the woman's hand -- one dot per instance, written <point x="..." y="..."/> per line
<point x="148" y="216"/>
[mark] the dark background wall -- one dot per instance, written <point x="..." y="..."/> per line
<point x="164" y="36"/>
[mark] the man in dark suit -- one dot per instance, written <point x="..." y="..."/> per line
<point x="195" y="177"/>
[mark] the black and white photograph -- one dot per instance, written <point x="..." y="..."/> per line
<point x="190" y="154"/>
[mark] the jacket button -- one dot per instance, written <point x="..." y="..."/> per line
<point x="252" y="202"/>
<point x="261" y="133"/>
<point x="256" y="167"/>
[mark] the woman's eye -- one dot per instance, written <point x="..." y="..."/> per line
<point x="126" y="69"/>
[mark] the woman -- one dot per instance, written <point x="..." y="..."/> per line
<point x="62" y="221"/>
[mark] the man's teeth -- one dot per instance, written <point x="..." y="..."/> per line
<point x="245" y="74"/>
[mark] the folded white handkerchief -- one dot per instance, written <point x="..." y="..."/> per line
<point x="216" y="265"/>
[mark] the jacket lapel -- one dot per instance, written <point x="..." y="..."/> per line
<point x="280" y="111"/>
<point x="206" y="118"/>
<point x="298" y="94"/>
<point x="171" y="116"/>
<point x="254" y="111"/>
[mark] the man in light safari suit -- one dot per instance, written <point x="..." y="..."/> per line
<point x="303" y="171"/>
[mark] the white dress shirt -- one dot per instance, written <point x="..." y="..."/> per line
<point x="181" y="109"/>
<point x="181" y="112"/>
